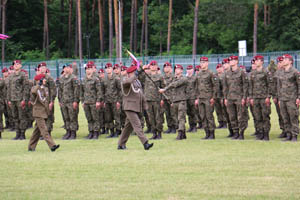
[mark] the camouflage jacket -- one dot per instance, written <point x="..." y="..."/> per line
<point x="167" y="80"/>
<point x="28" y="87"/>
<point x="68" y="91"/>
<point x="151" y="91"/>
<point x="220" y="79"/>
<point x="260" y="84"/>
<point x="289" y="85"/>
<point x="191" y="87"/>
<point x="112" y="89"/>
<point x="2" y="90"/>
<point x="179" y="85"/>
<point x="206" y="85"/>
<point x="90" y="90"/>
<point x="51" y="88"/>
<point x="274" y="84"/>
<point x="16" y="90"/>
<point x="235" y="85"/>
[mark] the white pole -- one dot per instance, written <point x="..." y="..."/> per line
<point x="120" y="32"/>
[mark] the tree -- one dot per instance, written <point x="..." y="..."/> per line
<point x="110" y="28"/>
<point x="101" y="27"/>
<point x="195" y="28"/>
<point x="4" y="2"/>
<point x="255" y="28"/>
<point x="70" y="27"/>
<point x="169" y="26"/>
<point x="143" y="29"/>
<point x="46" y="30"/>
<point x="132" y="21"/>
<point x="117" y="28"/>
<point x="79" y="30"/>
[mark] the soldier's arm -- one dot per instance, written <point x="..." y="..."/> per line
<point x="245" y="86"/>
<point x="216" y="84"/>
<point x="269" y="84"/>
<point x="25" y="86"/>
<point x="176" y="83"/>
<point x="99" y="91"/>
<point x="81" y="92"/>
<point x="297" y="74"/>
<point x="250" y="87"/>
<point x="225" y="87"/>
<point x="52" y="89"/>
<point x="118" y="86"/>
<point x="76" y="91"/>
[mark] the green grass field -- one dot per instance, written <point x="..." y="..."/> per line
<point x="171" y="170"/>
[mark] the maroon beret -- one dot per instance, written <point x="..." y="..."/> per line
<point x="218" y="66"/>
<point x="287" y="56"/>
<point x="233" y="58"/>
<point x="198" y="67"/>
<point x="258" y="57"/>
<point x="39" y="77"/>
<point x="116" y="66"/>
<point x="132" y="68"/>
<point x="4" y="70"/>
<point x="178" y="66"/>
<point x="279" y="59"/>
<point x="17" y="62"/>
<point x="11" y="68"/>
<point x="43" y="64"/>
<point x="225" y="60"/>
<point x="101" y="71"/>
<point x="167" y="64"/>
<point x="204" y="58"/>
<point x="190" y="67"/>
<point x="123" y="68"/>
<point x="153" y="62"/>
<point x="107" y="65"/>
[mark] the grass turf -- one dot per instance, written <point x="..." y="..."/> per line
<point x="189" y="169"/>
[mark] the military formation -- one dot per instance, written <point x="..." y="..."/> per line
<point x="171" y="97"/>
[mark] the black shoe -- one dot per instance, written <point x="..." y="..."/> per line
<point x="294" y="138"/>
<point x="260" y="136"/>
<point x="194" y="130"/>
<point x="67" y="135"/>
<point x="95" y="135"/>
<point x="173" y="130"/>
<point x="190" y="129"/>
<point x="179" y="135"/>
<point x="90" y="135"/>
<point x="235" y="136"/>
<point x="288" y="137"/>
<point x="73" y="135"/>
<point x="117" y="133"/>
<point x="102" y="131"/>
<point x="123" y="147"/>
<point x="211" y="135"/>
<point x="230" y="133"/>
<point x="184" y="135"/>
<point x="207" y="134"/>
<point x="199" y="126"/>
<point x="282" y="135"/>
<point x="241" y="135"/>
<point x="220" y="125"/>
<point x="54" y="147"/>
<point x="169" y="130"/>
<point x="148" y="130"/>
<point x="29" y="149"/>
<point x="147" y="146"/>
<point x="22" y="135"/>
<point x="112" y="133"/>
<point x="18" y="134"/>
<point x="266" y="136"/>
<point x="154" y="136"/>
<point x="159" y="136"/>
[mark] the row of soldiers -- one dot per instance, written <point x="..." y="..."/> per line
<point x="231" y="91"/>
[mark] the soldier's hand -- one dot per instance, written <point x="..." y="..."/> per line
<point x="243" y="102"/>
<point x="298" y="103"/>
<point x="161" y="91"/>
<point x="251" y="102"/>
<point x="60" y="104"/>
<point x="98" y="105"/>
<point x="9" y="103"/>
<point x="23" y="104"/>
<point x="196" y="103"/>
<point x="83" y="105"/>
<point x="161" y="103"/>
<point x="75" y="105"/>
<point x="51" y="104"/>
<point x="275" y="100"/>
<point x="225" y="102"/>
<point x="279" y="104"/>
<point x="267" y="102"/>
<point x="29" y="103"/>
<point x="103" y="104"/>
<point x="212" y="102"/>
<point x="118" y="105"/>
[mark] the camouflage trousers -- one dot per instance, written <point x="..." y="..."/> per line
<point x="50" y="121"/>
<point x="155" y="117"/>
<point x="92" y="116"/>
<point x="28" y="113"/>
<point x="254" y="119"/>
<point x="101" y="119"/>
<point x="206" y="112"/>
<point x="169" y="112"/>
<point x="191" y="112"/>
<point x="261" y="114"/>
<point x="19" y="116"/>
<point x="2" y="109"/>
<point x="280" y="120"/>
<point x="238" y="115"/>
<point x="70" y="116"/>
<point x="146" y="117"/>
<point x="10" y="117"/>
<point x="290" y="114"/>
<point x="180" y="114"/>
<point x="220" y="110"/>
<point x="112" y="116"/>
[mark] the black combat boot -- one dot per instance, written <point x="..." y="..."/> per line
<point x="112" y="133"/>
<point x="169" y="130"/>
<point x="67" y="135"/>
<point x="190" y="129"/>
<point x="183" y="135"/>
<point x="147" y="146"/>
<point x="54" y="148"/>
<point x="255" y="133"/>
<point x="207" y="134"/>
<point x="154" y="136"/>
<point x="22" y="135"/>
<point x="200" y="125"/>
<point x="73" y="135"/>
<point x="260" y="135"/>
<point x="224" y="125"/>
<point x="122" y="147"/>
<point x="294" y="138"/>
<point x="159" y="136"/>
<point x="179" y="135"/>
<point x="266" y="136"/>
<point x="0" y="135"/>
<point x="288" y="137"/>
<point x="282" y="135"/>
<point x="18" y="134"/>
<point x="220" y="125"/>
<point x="173" y="130"/>
<point x="236" y="135"/>
<point x="211" y="135"/>
<point x="95" y="135"/>
<point x="89" y="136"/>
<point x="241" y="135"/>
<point x="102" y="131"/>
<point x="148" y="130"/>
<point x="117" y="133"/>
<point x="230" y="133"/>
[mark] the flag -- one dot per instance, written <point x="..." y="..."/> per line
<point x="4" y="37"/>
<point x="134" y="59"/>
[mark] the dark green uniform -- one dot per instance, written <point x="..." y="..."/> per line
<point x="190" y="103"/>
<point x="219" y="102"/>
<point x="2" y="104"/>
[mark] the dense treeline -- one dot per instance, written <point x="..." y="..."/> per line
<point x="49" y="28"/>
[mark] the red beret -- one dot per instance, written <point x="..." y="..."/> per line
<point x="107" y="65"/>
<point x="4" y="70"/>
<point x="43" y="64"/>
<point x="279" y="58"/>
<point x="101" y="71"/>
<point x="258" y="57"/>
<point x="242" y="67"/>
<point x="218" y="66"/>
<point x="39" y="77"/>
<point x="116" y="66"/>
<point x="153" y="62"/>
<point x="123" y="68"/>
<point x="204" y="58"/>
<point x="178" y="66"/>
<point x="132" y="68"/>
<point x="225" y="60"/>
<point x="287" y="56"/>
<point x="17" y="62"/>
<point x="91" y="63"/>
<point x="23" y="70"/>
<point x="11" y="68"/>
<point x="233" y="58"/>
<point x="190" y="67"/>
<point x="198" y="67"/>
<point x="167" y="64"/>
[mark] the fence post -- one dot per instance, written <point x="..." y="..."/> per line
<point x="296" y="63"/>
<point x="57" y="69"/>
<point x="29" y="73"/>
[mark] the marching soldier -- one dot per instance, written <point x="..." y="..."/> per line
<point x="289" y="97"/>
<point x="235" y="94"/>
<point x="123" y="115"/>
<point x="68" y="93"/>
<point x="91" y="98"/>
<point x="207" y="91"/>
<point x="259" y="95"/>
<point x="40" y="101"/>
<point x="17" y="99"/>
<point x="191" y="97"/>
<point x="133" y="103"/>
<point x="178" y="85"/>
<point x="219" y="103"/>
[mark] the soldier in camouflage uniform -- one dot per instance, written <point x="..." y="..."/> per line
<point x="289" y="97"/>
<point x="154" y="99"/>
<point x="6" y="108"/>
<point x="235" y="93"/>
<point x="91" y="98"/>
<point x="16" y="97"/>
<point x="219" y="103"/>
<point x="168" y="109"/>
<point x="2" y="104"/>
<point x="197" y="70"/>
<point x="259" y="95"/>
<point x="9" y="111"/>
<point x="28" y="108"/>
<point x="276" y="74"/>
<point x="191" y="97"/>
<point x="112" y="88"/>
<point x="179" y="85"/>
<point x="206" y="90"/>
<point x="68" y="95"/>
<point x="101" y="110"/>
